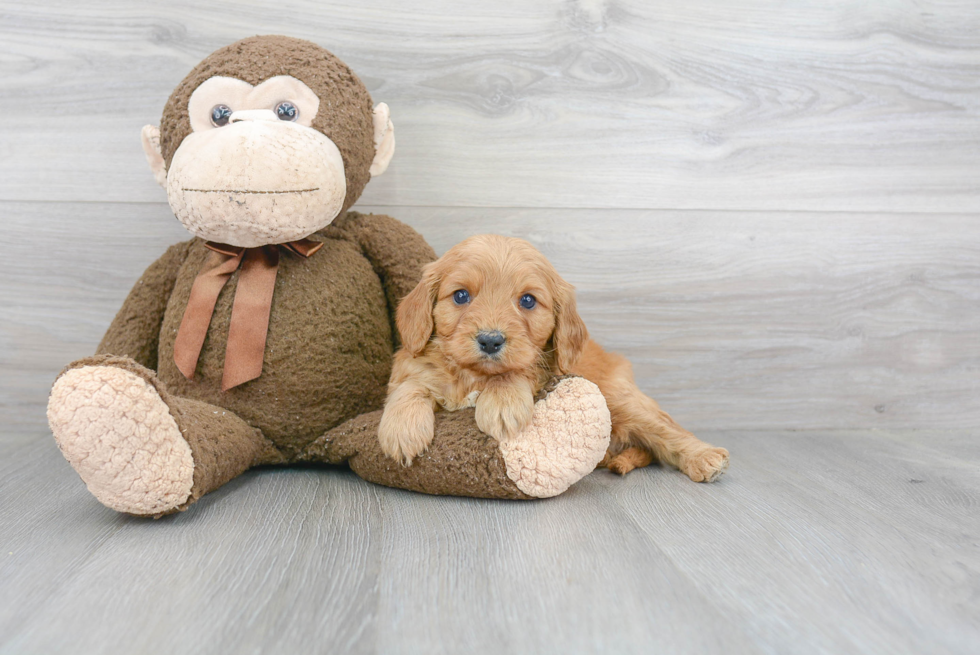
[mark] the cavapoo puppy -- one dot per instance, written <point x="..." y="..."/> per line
<point x="489" y="324"/>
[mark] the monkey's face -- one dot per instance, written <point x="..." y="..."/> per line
<point x="254" y="171"/>
<point x="256" y="168"/>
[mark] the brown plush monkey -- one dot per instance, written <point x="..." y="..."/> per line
<point x="268" y="338"/>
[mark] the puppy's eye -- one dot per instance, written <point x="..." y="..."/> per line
<point x="528" y="301"/>
<point x="461" y="297"/>
<point x="287" y="111"/>
<point x="220" y="115"/>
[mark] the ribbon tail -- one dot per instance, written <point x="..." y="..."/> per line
<point x="302" y="247"/>
<point x="250" y="316"/>
<point x="215" y="273"/>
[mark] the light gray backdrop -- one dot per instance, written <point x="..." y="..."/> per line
<point x="772" y="213"/>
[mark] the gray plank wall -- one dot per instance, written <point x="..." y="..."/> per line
<point x="771" y="209"/>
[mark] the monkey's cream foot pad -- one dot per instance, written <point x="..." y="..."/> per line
<point x="567" y="437"/>
<point x="118" y="434"/>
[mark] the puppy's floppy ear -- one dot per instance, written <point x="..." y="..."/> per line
<point x="414" y="315"/>
<point x="570" y="332"/>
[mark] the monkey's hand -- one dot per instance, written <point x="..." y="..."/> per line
<point x="407" y="424"/>
<point x="503" y="410"/>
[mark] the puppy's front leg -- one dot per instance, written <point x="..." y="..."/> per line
<point x="408" y="422"/>
<point x="504" y="408"/>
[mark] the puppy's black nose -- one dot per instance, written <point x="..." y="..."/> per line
<point x="490" y="342"/>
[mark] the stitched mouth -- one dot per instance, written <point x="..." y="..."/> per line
<point x="251" y="191"/>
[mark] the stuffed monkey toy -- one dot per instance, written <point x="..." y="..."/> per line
<point x="267" y="339"/>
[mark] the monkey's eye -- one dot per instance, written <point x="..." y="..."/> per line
<point x="461" y="297"/>
<point x="528" y="301"/>
<point x="287" y="111"/>
<point x="220" y="115"/>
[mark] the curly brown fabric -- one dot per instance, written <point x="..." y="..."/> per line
<point x="461" y="461"/>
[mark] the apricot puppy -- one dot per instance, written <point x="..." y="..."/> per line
<point x="489" y="324"/>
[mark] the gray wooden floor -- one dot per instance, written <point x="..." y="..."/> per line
<point x="815" y="542"/>
<point x="772" y="209"/>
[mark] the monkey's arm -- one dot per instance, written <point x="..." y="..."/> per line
<point x="396" y="252"/>
<point x="135" y="331"/>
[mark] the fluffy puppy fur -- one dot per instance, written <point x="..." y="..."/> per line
<point x="489" y="324"/>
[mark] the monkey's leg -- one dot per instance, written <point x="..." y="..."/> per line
<point x="141" y="450"/>
<point x="567" y="436"/>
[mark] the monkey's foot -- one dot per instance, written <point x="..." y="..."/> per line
<point x="568" y="435"/>
<point x="119" y="435"/>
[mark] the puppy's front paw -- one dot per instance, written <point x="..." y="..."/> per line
<point x="406" y="432"/>
<point x="503" y="416"/>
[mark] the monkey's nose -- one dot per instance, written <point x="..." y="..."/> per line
<point x="252" y="115"/>
<point x="490" y="342"/>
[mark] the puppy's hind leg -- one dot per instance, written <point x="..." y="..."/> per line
<point x="626" y="461"/>
<point x="654" y="429"/>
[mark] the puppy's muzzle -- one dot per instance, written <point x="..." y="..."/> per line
<point x="490" y="342"/>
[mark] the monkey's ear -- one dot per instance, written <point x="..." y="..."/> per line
<point x="154" y="156"/>
<point x="384" y="139"/>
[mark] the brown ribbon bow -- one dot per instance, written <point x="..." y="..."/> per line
<point x="249" y="314"/>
